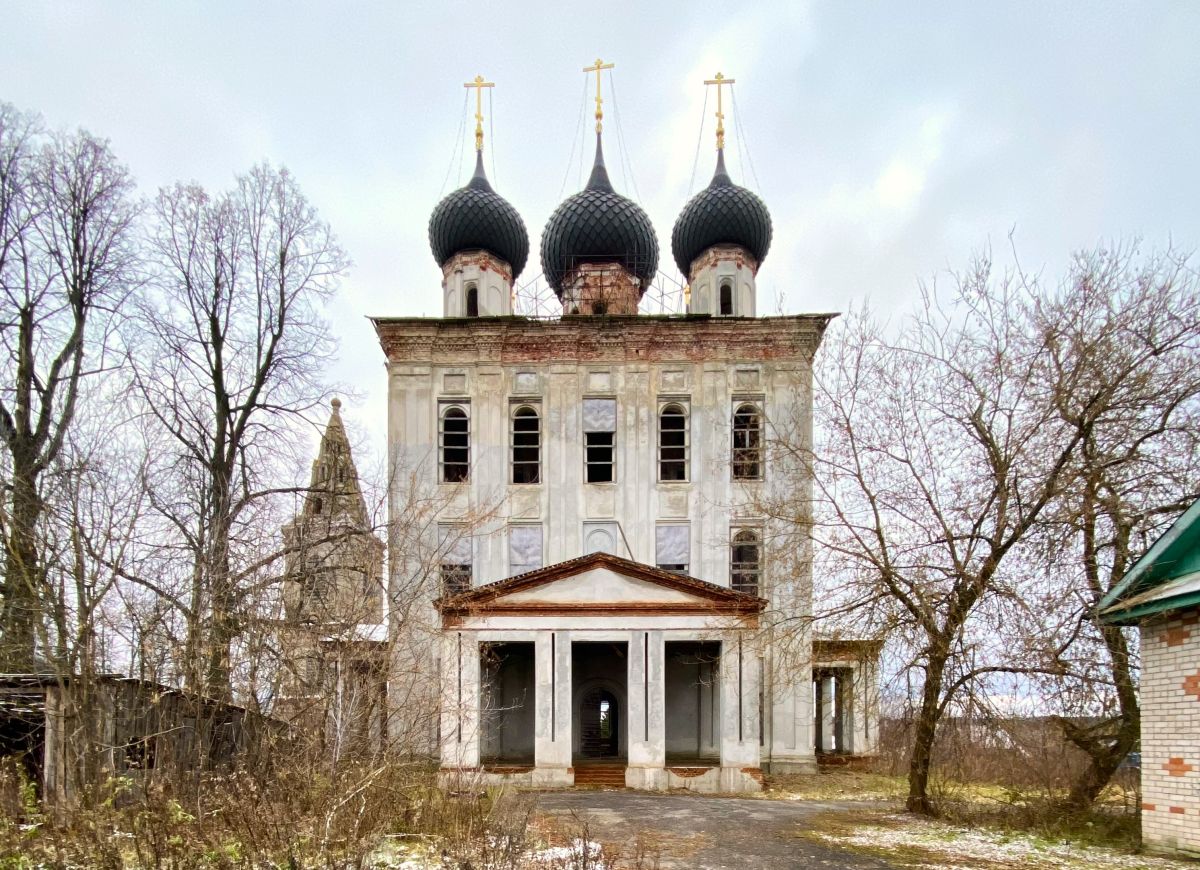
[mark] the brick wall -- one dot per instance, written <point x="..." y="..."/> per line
<point x="1170" y="700"/>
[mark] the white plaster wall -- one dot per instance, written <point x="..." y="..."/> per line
<point x="711" y="502"/>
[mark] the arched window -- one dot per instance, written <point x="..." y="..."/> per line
<point x="454" y="439"/>
<point x="672" y="443"/>
<point x="726" y="298"/>
<point x="526" y="445"/>
<point x="745" y="561"/>
<point x="747" y="443"/>
<point x="472" y="301"/>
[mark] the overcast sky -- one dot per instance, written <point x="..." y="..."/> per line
<point x="889" y="140"/>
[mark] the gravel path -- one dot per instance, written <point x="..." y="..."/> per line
<point x="692" y="831"/>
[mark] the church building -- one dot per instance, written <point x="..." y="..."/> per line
<point x="586" y="580"/>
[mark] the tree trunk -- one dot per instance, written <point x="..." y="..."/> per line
<point x="22" y="580"/>
<point x="926" y="730"/>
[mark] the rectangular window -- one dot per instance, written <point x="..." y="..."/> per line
<point x="672" y="548"/>
<point x="454" y="552"/>
<point x="524" y="548"/>
<point x="599" y="439"/>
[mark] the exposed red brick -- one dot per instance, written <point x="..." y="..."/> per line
<point x="1191" y="685"/>
<point x="1176" y="767"/>
<point x="1179" y="811"/>
<point x="1149" y="807"/>
<point x="1176" y="637"/>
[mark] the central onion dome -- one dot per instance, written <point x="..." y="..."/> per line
<point x="476" y="217"/>
<point x="721" y="214"/>
<point x="598" y="225"/>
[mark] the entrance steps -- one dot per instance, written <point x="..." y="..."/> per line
<point x="600" y="775"/>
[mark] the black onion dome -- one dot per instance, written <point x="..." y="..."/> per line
<point x="598" y="225"/>
<point x="721" y="214"/>
<point x="476" y="216"/>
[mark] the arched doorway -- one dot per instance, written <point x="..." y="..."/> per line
<point x="599" y="724"/>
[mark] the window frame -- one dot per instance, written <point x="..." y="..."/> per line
<point x="723" y="285"/>
<point x="515" y="413"/>
<point x="455" y="577"/>
<point x="612" y="445"/>
<point x="743" y="567"/>
<point x="471" y="293"/>
<point x="664" y="405"/>
<point x="740" y="456"/>
<point x="445" y="410"/>
<point x="674" y="567"/>
<point x="512" y="572"/>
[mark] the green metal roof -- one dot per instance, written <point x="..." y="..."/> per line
<point x="1167" y="577"/>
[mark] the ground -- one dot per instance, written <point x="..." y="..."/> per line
<point x="794" y="829"/>
<point x="689" y="831"/>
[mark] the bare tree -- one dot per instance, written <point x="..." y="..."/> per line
<point x="940" y="447"/>
<point x="234" y="348"/>
<point x="1124" y="330"/>
<point x="66" y="262"/>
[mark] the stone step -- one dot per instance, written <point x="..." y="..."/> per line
<point x="604" y="775"/>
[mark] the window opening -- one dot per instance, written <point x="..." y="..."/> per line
<point x="747" y="443"/>
<point x="472" y="301"/>
<point x="599" y="439"/>
<point x="455" y="439"/>
<point x="672" y="548"/>
<point x="745" y="561"/>
<point x="455" y="563"/>
<point x="526" y="446"/>
<point x="672" y="444"/>
<point x="726" y="298"/>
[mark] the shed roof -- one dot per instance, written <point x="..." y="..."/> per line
<point x="1167" y="577"/>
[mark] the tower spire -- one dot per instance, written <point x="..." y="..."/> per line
<point x="479" y="84"/>
<point x="597" y="67"/>
<point x="720" y="81"/>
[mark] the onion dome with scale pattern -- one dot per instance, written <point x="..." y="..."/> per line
<point x="476" y="217"/>
<point x="598" y="225"/>
<point x="721" y="214"/>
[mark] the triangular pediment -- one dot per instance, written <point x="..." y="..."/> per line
<point x="601" y="583"/>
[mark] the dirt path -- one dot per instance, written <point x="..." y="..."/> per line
<point x="690" y="831"/>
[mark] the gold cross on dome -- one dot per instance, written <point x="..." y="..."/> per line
<point x="720" y="81"/>
<point x="479" y="84"/>
<point x="596" y="68"/>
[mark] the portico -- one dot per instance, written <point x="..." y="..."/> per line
<point x="603" y="686"/>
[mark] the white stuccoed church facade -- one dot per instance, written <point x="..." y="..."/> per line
<point x="586" y="580"/>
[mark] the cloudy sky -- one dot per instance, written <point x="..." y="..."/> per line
<point x="890" y="140"/>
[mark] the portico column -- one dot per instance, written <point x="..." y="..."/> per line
<point x="552" y="713"/>
<point x="790" y="706"/>
<point x="646" y="731"/>
<point x="460" y="700"/>
<point x="828" y="690"/>
<point x="739" y="702"/>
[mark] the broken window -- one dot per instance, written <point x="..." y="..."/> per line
<point x="526" y="445"/>
<point x="454" y="439"/>
<point x="524" y="548"/>
<point x="672" y="443"/>
<point x="672" y="548"/>
<point x="747" y="443"/>
<point x="745" y="561"/>
<point x="454" y="547"/>
<point x="599" y="437"/>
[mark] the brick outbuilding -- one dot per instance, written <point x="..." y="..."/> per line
<point x="1161" y="595"/>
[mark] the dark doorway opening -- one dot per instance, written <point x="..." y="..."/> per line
<point x="507" y="703"/>
<point x="693" y="701"/>
<point x="599" y="677"/>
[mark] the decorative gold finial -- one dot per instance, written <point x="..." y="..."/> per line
<point x="719" y="81"/>
<point x="479" y="84"/>
<point x="596" y="68"/>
